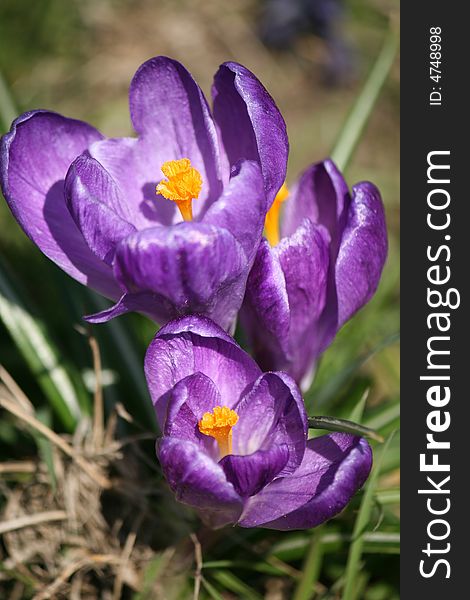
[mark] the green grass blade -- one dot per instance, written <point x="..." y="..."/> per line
<point x="384" y="416"/>
<point x="342" y="425"/>
<point x="210" y="589"/>
<point x="355" y="123"/>
<point x="8" y="110"/>
<point x="311" y="569"/>
<point x="375" y="542"/>
<point x="40" y="353"/>
<point x="357" y="412"/>
<point x="388" y="496"/>
<point x="330" y="390"/>
<point x="363" y="518"/>
<point x="257" y="566"/>
<point x="45" y="446"/>
<point x="391" y="461"/>
<point x="236" y="585"/>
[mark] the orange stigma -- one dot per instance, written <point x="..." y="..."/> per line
<point x="183" y="186"/>
<point x="218" y="424"/>
<point x="271" y="224"/>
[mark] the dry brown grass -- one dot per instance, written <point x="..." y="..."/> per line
<point x="82" y="526"/>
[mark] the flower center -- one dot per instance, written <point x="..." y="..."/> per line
<point x="271" y="224"/>
<point x="218" y="424"/>
<point x="183" y="186"/>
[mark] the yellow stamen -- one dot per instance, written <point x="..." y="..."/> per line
<point x="218" y="424"/>
<point x="271" y="224"/>
<point x="183" y="186"/>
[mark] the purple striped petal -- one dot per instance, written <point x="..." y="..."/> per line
<point x="154" y="306"/>
<point x="362" y="252"/>
<point x="249" y="474"/>
<point x="196" y="344"/>
<point x="326" y="266"/>
<point x="171" y="115"/>
<point x="242" y="208"/>
<point x="335" y="466"/>
<point x="265" y="313"/>
<point x="188" y="401"/>
<point x="35" y="156"/>
<point x="272" y="412"/>
<point x="304" y="259"/>
<point x="199" y="481"/>
<point x="321" y="195"/>
<point x="197" y="268"/>
<point x="136" y="169"/>
<point x="135" y="166"/>
<point x="251" y="126"/>
<point x="285" y="297"/>
<point x="96" y="205"/>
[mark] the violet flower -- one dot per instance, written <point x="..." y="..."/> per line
<point x="234" y="442"/>
<point x="90" y="203"/>
<point x="326" y="266"/>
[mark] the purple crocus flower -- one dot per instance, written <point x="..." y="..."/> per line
<point x="234" y="442"/>
<point x="316" y="272"/>
<point x="90" y="203"/>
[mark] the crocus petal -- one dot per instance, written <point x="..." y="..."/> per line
<point x="196" y="344"/>
<point x="286" y="294"/>
<point x="199" y="481"/>
<point x="154" y="306"/>
<point x="272" y="412"/>
<point x="321" y="195"/>
<point x="249" y="474"/>
<point x="362" y="252"/>
<point x="326" y="266"/>
<point x="95" y="202"/>
<point x="35" y="156"/>
<point x="304" y="259"/>
<point x="334" y="467"/>
<point x="242" y="208"/>
<point x="188" y="401"/>
<point x="250" y="124"/>
<point x="265" y="312"/>
<point x="171" y="115"/>
<point x="136" y="170"/>
<point x="195" y="266"/>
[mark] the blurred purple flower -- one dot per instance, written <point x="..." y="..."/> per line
<point x="326" y="266"/>
<point x="90" y="204"/>
<point x="234" y="442"/>
<point x="283" y="22"/>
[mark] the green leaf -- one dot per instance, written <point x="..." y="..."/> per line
<point x="236" y="585"/>
<point x="390" y="496"/>
<point x="40" y="353"/>
<point x="363" y="106"/>
<point x="45" y="446"/>
<point x="258" y="566"/>
<point x="358" y="411"/>
<point x="331" y="389"/>
<point x="375" y="542"/>
<point x="311" y="568"/>
<point x="344" y="426"/>
<point x="384" y="416"/>
<point x="8" y="112"/>
<point x="362" y="520"/>
<point x="211" y="590"/>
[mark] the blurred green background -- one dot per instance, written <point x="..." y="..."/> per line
<point x="77" y="57"/>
